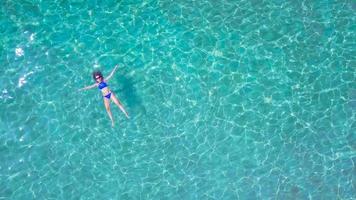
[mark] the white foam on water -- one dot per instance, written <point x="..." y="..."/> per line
<point x="19" y="52"/>
<point x="268" y="99"/>
<point x="96" y="65"/>
<point x="32" y="37"/>
<point x="5" y="95"/>
<point x="217" y="53"/>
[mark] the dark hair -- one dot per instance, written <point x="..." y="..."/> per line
<point x="97" y="73"/>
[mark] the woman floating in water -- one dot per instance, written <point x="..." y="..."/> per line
<point x="107" y="94"/>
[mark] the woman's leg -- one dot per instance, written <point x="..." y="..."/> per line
<point x="107" y="106"/>
<point x="117" y="102"/>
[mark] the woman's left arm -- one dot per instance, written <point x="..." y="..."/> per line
<point x="112" y="73"/>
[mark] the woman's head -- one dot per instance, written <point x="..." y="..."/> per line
<point x="97" y="76"/>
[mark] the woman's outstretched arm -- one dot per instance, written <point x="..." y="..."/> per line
<point x="87" y="87"/>
<point x="112" y="73"/>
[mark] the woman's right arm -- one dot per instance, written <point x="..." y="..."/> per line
<point x="88" y="87"/>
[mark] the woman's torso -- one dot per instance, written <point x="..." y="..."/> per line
<point x="104" y="88"/>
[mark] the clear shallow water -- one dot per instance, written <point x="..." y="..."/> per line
<point x="229" y="100"/>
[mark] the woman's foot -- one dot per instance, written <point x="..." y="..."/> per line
<point x="112" y="123"/>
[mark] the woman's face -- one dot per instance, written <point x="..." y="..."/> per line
<point x="98" y="78"/>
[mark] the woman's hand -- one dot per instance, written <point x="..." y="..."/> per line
<point x="112" y="73"/>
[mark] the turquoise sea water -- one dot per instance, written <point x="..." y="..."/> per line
<point x="228" y="99"/>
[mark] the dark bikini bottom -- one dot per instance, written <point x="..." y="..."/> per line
<point x="108" y="95"/>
